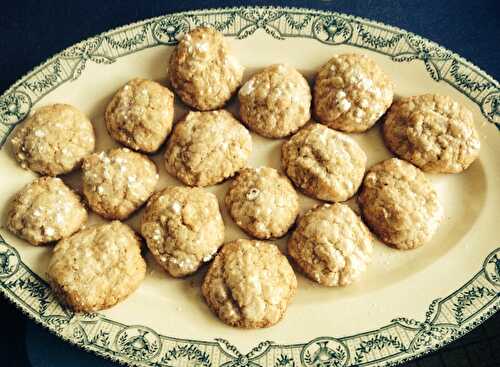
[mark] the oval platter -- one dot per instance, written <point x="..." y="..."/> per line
<point x="407" y="303"/>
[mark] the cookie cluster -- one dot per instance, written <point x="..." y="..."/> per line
<point x="250" y="282"/>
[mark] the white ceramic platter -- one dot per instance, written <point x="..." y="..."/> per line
<point x="406" y="304"/>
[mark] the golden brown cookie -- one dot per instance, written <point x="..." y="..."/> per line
<point x="433" y="132"/>
<point x="331" y="245"/>
<point x="45" y="210"/>
<point x="351" y="92"/>
<point x="249" y="284"/>
<point x="183" y="228"/>
<point x="323" y="163"/>
<point x="202" y="70"/>
<point x="262" y="202"/>
<point x="276" y="101"/>
<point x="399" y="204"/>
<point x="117" y="182"/>
<point x="207" y="147"/>
<point x="97" y="267"/>
<point x="140" y="115"/>
<point x="54" y="140"/>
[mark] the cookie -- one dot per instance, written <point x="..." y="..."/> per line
<point x="117" y="182"/>
<point x="262" y="202"/>
<point x="140" y="115"/>
<point x="399" y="204"/>
<point x="97" y="267"/>
<point x="351" y="92"/>
<point x="202" y="70"/>
<point x="323" y="163"/>
<point x="207" y="147"/>
<point x="44" y="211"/>
<point x="433" y="132"/>
<point x="249" y="284"/>
<point x="54" y="140"/>
<point x="275" y="102"/>
<point x="331" y="245"/>
<point x="183" y="228"/>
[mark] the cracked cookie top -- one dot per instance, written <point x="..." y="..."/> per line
<point x="183" y="228"/>
<point x="97" y="267"/>
<point x="262" y="202"/>
<point x="118" y="181"/>
<point x="249" y="284"/>
<point x="433" y="132"/>
<point x="323" y="163"/>
<point x="351" y="92"/>
<point x="207" y="147"/>
<point x="331" y="245"/>
<point x="45" y="210"/>
<point x="202" y="70"/>
<point x="140" y="115"/>
<point x="54" y="140"/>
<point x="276" y="101"/>
<point x="399" y="204"/>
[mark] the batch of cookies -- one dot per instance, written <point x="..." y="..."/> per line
<point x="249" y="283"/>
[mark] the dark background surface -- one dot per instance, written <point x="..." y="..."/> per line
<point x="32" y="31"/>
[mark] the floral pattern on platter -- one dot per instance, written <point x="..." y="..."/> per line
<point x="324" y="352"/>
<point x="491" y="108"/>
<point x="492" y="267"/>
<point x="9" y="260"/>
<point x="168" y="30"/>
<point x="84" y="52"/>
<point x="428" y="332"/>
<point x="332" y="30"/>
<point x="138" y="342"/>
<point x="400" y="340"/>
<point x="14" y="107"/>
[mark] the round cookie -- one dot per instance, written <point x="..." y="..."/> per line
<point x="54" y="140"/>
<point x="140" y="115"/>
<point x="323" y="163"/>
<point x="399" y="204"/>
<point x="183" y="228"/>
<point x="202" y="71"/>
<point x="331" y="245"/>
<point x="262" y="202"/>
<point x="351" y="93"/>
<point x="433" y="132"/>
<point x="44" y="211"/>
<point x="97" y="267"/>
<point x="207" y="147"/>
<point x="249" y="284"/>
<point x="117" y="182"/>
<point x="275" y="102"/>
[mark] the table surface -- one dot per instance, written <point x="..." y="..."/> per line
<point x="34" y="30"/>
